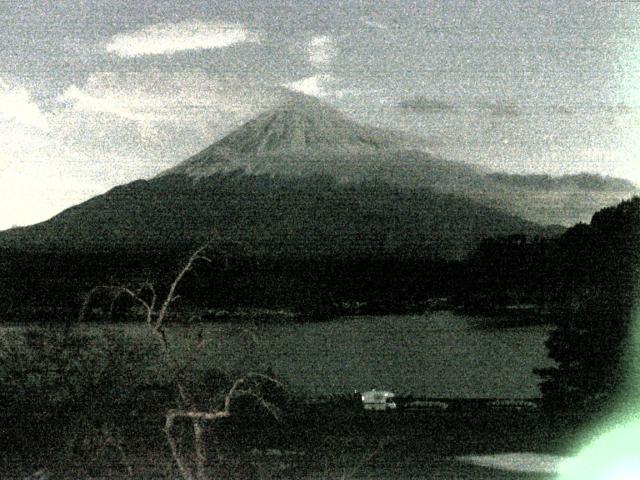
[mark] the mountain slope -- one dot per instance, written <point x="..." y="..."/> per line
<point x="304" y="179"/>
<point x="307" y="137"/>
<point x="294" y="217"/>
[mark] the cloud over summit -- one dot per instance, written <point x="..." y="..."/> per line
<point x="319" y="85"/>
<point x="322" y="50"/>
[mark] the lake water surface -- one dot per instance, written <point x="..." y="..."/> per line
<point x="442" y="354"/>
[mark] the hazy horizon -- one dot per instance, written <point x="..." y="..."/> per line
<point x="94" y="94"/>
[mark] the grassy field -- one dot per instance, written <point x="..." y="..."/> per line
<point x="329" y="444"/>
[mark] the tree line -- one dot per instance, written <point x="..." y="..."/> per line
<point x="588" y="263"/>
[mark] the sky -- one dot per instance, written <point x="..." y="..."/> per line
<point x="95" y="93"/>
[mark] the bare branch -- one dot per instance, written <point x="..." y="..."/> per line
<point x="265" y="377"/>
<point x="268" y="406"/>
<point x="201" y="415"/>
<point x="185" y="471"/>
<point x="116" y="292"/>
<point x="155" y="315"/>
<point x="232" y="392"/>
<point x="154" y="297"/>
<point x="201" y="457"/>
<point x="171" y="296"/>
<point x="196" y="417"/>
<point x="235" y="391"/>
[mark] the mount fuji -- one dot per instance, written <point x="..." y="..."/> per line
<point x="304" y="179"/>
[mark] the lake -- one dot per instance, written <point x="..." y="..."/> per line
<point x="441" y="354"/>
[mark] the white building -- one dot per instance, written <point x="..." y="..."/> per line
<point x="378" y="400"/>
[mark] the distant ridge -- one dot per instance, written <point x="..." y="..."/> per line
<point x="580" y="181"/>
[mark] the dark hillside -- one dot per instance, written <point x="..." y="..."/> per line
<point x="292" y="217"/>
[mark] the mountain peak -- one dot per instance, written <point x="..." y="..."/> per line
<point x="300" y="127"/>
<point x="302" y="103"/>
<point x="300" y="124"/>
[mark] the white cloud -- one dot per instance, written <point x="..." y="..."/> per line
<point x="16" y="105"/>
<point x="32" y="192"/>
<point x="168" y="38"/>
<point x="154" y="118"/>
<point x="374" y="24"/>
<point x="39" y="175"/>
<point x="153" y="96"/>
<point x="110" y="129"/>
<point x="118" y="105"/>
<point x="319" y="85"/>
<point x="322" y="50"/>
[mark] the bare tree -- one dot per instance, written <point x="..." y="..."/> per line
<point x="156" y="312"/>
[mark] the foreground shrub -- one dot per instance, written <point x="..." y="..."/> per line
<point x="62" y="384"/>
<point x="59" y="381"/>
